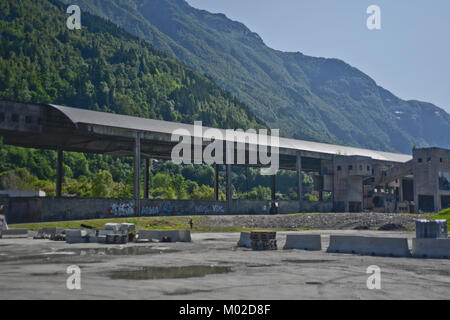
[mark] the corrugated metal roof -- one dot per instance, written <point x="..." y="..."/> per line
<point x="83" y="116"/>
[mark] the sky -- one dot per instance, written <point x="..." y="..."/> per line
<point x="409" y="55"/>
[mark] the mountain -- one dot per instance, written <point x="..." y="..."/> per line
<point x="100" y="67"/>
<point x="104" y="68"/>
<point x="306" y="97"/>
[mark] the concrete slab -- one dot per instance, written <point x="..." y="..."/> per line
<point x="303" y="242"/>
<point x="14" y="233"/>
<point x="431" y="248"/>
<point x="377" y="246"/>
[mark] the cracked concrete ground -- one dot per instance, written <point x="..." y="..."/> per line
<point x="211" y="267"/>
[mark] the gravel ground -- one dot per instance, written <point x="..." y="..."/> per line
<point x="330" y="221"/>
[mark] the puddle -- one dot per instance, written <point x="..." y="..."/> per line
<point x="149" y="273"/>
<point x="307" y="261"/>
<point x="313" y="283"/>
<point x="117" y="251"/>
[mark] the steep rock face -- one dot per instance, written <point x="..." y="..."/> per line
<point x="306" y="97"/>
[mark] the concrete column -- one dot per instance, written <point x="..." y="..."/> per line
<point x="299" y="179"/>
<point x="59" y="172"/>
<point x="216" y="182"/>
<point x="137" y="173"/>
<point x="146" y="178"/>
<point x="229" y="185"/>
<point x="273" y="180"/>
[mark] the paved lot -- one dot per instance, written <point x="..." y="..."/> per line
<point x="211" y="267"/>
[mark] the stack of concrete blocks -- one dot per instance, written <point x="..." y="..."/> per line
<point x="56" y="234"/>
<point x="375" y="246"/>
<point x="164" y="235"/>
<point x="262" y="240"/>
<point x="431" y="239"/>
<point x="303" y="242"/>
<point x="431" y="229"/>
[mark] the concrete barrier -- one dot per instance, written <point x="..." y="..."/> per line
<point x="377" y="246"/>
<point x="76" y="236"/>
<point x="244" y="240"/>
<point x="303" y="242"/>
<point x="431" y="248"/>
<point x="158" y="235"/>
<point x="14" y="233"/>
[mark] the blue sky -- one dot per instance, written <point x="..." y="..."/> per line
<point x="409" y="56"/>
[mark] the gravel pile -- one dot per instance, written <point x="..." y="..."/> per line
<point x="337" y="221"/>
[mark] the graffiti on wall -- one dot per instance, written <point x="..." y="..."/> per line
<point x="122" y="209"/>
<point x="208" y="209"/>
<point x="158" y="209"/>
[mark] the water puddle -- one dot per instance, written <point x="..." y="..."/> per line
<point x="117" y="251"/>
<point x="306" y="261"/>
<point x="149" y="273"/>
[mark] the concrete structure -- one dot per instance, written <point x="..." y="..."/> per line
<point x="357" y="179"/>
<point x="431" y="248"/>
<point x="303" y="241"/>
<point x="161" y="235"/>
<point x="376" y="246"/>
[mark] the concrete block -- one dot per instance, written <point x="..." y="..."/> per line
<point x="49" y="232"/>
<point x="14" y="233"/>
<point x="184" y="236"/>
<point x="158" y="235"/>
<point x="245" y="240"/>
<point x="377" y="246"/>
<point x="112" y="226"/>
<point x="303" y="242"/>
<point x="128" y="227"/>
<point x="149" y="235"/>
<point x="103" y="232"/>
<point x="172" y="234"/>
<point x="431" y="248"/>
<point x="431" y="228"/>
<point x="76" y="233"/>
<point x="101" y="239"/>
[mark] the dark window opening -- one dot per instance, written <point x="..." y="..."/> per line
<point x="15" y="117"/>
<point x="350" y="167"/>
<point x="28" y="119"/>
<point x="428" y="159"/>
<point x="420" y="160"/>
<point x="2" y="117"/>
<point x="440" y="159"/>
<point x="360" y="167"/>
<point x="339" y="168"/>
<point x="368" y="168"/>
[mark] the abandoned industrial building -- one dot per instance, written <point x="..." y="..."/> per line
<point x="356" y="179"/>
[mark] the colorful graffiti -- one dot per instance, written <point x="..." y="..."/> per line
<point x="122" y="209"/>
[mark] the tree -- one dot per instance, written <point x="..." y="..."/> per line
<point x="102" y="185"/>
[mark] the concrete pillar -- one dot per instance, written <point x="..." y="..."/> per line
<point x="59" y="172"/>
<point x="229" y="185"/>
<point x="299" y="179"/>
<point x="216" y="182"/>
<point x="273" y="180"/>
<point x="137" y="173"/>
<point x="146" y="178"/>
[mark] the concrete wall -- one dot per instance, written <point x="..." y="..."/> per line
<point x="25" y="210"/>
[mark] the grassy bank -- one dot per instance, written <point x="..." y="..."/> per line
<point x="444" y="214"/>
<point x="200" y="224"/>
